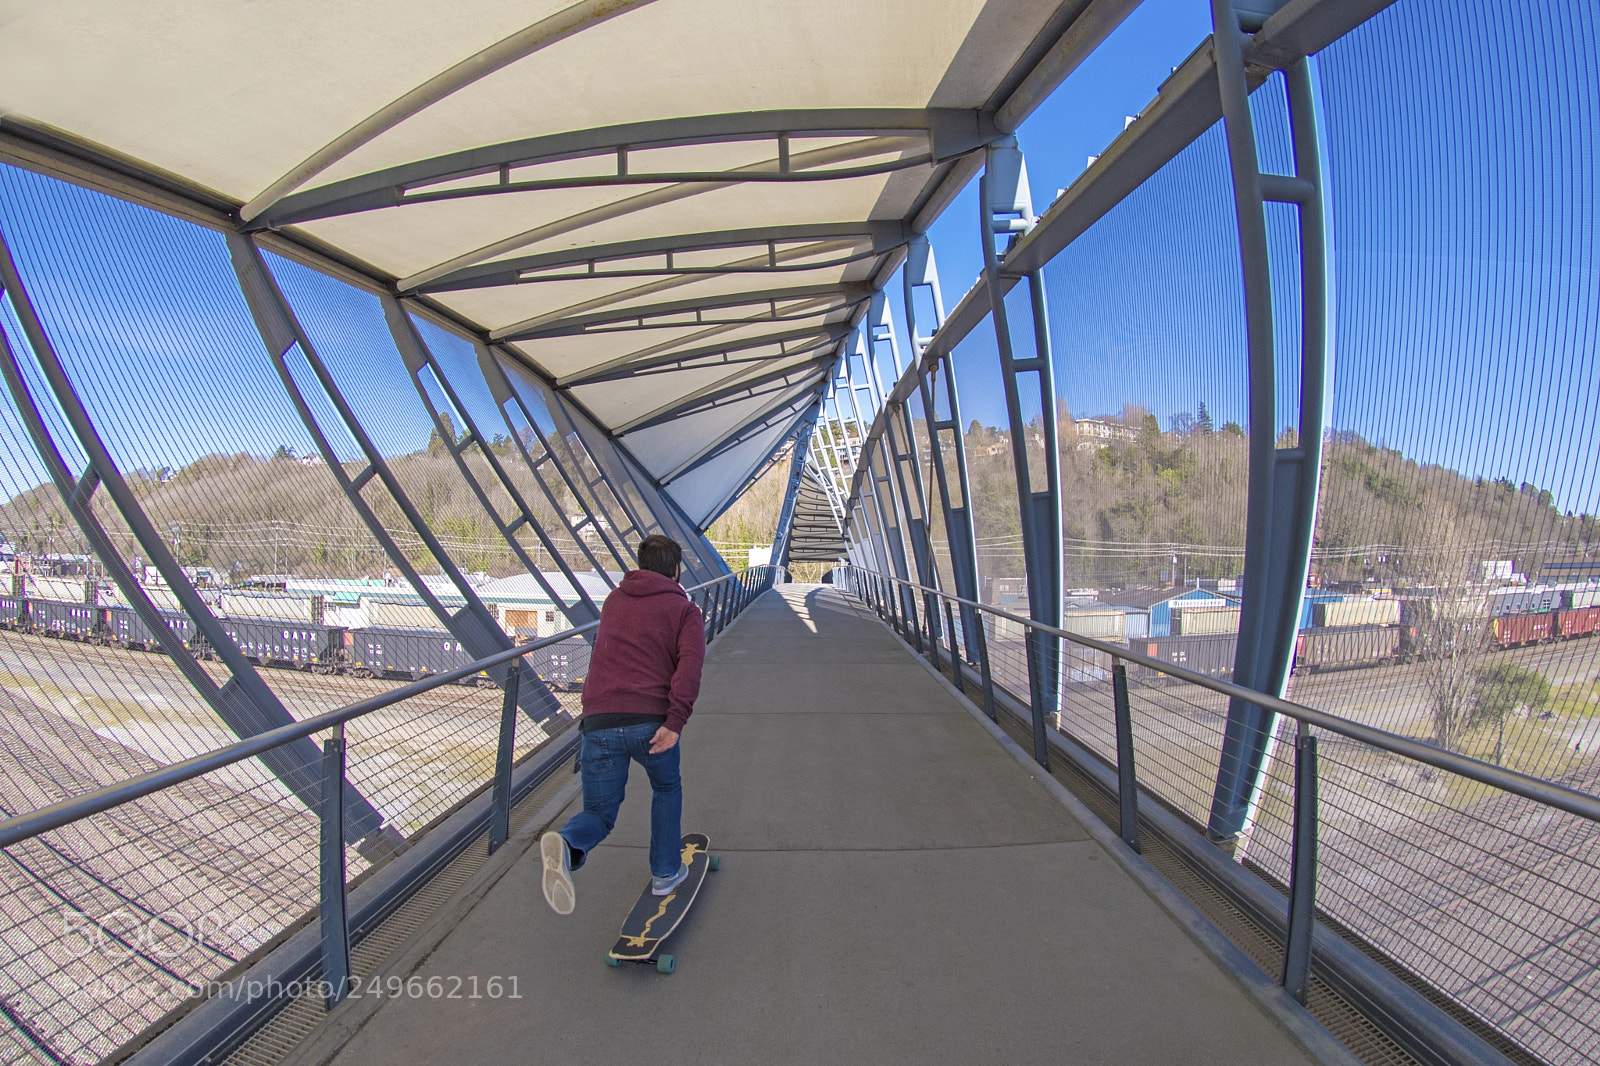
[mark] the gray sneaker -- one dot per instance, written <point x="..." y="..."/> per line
<point x="663" y="886"/>
<point x="558" y="890"/>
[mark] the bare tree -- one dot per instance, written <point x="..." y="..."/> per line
<point x="1452" y="637"/>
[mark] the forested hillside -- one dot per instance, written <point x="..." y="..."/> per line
<point x="1134" y="496"/>
<point x="1133" y="501"/>
<point x="247" y="514"/>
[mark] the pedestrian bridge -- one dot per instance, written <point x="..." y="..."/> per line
<point x="899" y="884"/>
<point x="1117" y="663"/>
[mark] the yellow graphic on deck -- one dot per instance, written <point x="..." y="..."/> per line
<point x="638" y="941"/>
<point x="690" y="850"/>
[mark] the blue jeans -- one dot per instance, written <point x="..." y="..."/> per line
<point x="603" y="759"/>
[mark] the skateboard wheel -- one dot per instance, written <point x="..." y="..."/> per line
<point x="665" y="963"/>
<point x="715" y="863"/>
<point x="612" y="960"/>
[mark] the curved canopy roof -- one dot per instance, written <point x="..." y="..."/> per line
<point x="675" y="210"/>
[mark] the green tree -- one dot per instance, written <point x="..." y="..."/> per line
<point x="1202" y="422"/>
<point x="440" y="443"/>
<point x="1502" y="687"/>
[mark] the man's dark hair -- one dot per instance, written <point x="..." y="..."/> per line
<point x="660" y="554"/>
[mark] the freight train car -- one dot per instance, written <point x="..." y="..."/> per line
<point x="277" y="642"/>
<point x="390" y="651"/>
<point x="1346" y="646"/>
<point x="1524" y="601"/>
<point x="1349" y="613"/>
<point x="1522" y="630"/>
<point x="562" y="666"/>
<point x="1582" y="622"/>
<point x="1209" y="654"/>
<point x="13" y="612"/>
<point x="126" y="628"/>
<point x="57" y="618"/>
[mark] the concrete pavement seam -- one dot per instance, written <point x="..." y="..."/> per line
<point x="871" y="851"/>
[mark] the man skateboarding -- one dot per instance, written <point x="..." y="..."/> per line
<point x="643" y="678"/>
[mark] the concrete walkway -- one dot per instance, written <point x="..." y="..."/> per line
<point x="895" y="888"/>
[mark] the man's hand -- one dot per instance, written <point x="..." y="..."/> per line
<point x="662" y="741"/>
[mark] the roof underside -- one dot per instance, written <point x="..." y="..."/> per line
<point x="674" y="210"/>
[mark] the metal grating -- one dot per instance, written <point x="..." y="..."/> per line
<point x="297" y="1020"/>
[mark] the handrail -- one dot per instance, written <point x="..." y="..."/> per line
<point x="75" y="808"/>
<point x="1561" y="797"/>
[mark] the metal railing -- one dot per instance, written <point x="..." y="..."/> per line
<point x="720" y="601"/>
<point x="1486" y="898"/>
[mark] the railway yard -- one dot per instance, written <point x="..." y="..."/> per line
<point x="128" y="907"/>
<point x="1412" y="859"/>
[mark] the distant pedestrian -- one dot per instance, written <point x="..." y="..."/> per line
<point x="643" y="679"/>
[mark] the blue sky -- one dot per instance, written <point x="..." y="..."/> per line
<point x="1462" y="142"/>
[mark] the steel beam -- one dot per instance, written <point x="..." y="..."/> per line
<point x="572" y="427"/>
<point x="1281" y="503"/>
<point x="1005" y="206"/>
<point x="954" y="495"/>
<point x="617" y="464"/>
<point x="947" y="132"/>
<point x="659" y="361"/>
<point x="899" y="440"/>
<point x="244" y="703"/>
<point x="625" y="319"/>
<point x="653" y="197"/>
<point x="875" y="461"/>
<point x="280" y="331"/>
<point x="622" y="259"/>
<point x="508" y="400"/>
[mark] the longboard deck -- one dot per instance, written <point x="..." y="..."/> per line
<point x="654" y="918"/>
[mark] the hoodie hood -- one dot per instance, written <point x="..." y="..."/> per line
<point x="640" y="583"/>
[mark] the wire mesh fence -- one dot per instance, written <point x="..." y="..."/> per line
<point x="116" y="919"/>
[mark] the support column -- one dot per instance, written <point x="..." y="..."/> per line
<point x="616" y="465"/>
<point x="511" y="404"/>
<point x="889" y="510"/>
<point x="900" y="443"/>
<point x="920" y="272"/>
<point x="1007" y="208"/>
<point x="1281" y="505"/>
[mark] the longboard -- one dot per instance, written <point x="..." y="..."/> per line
<point x="654" y="918"/>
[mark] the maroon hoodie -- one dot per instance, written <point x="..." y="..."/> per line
<point x="647" y="654"/>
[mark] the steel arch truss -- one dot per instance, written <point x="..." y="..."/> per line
<point x="473" y="625"/>
<point x="893" y="138"/>
<point x="774" y="250"/>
